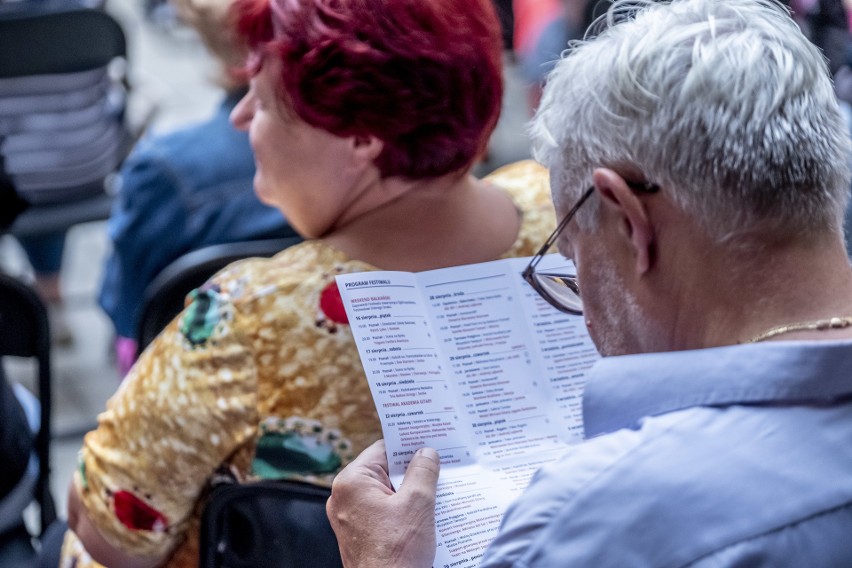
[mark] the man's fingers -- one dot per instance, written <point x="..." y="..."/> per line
<point x="400" y="527"/>
<point x="373" y="454"/>
<point x="371" y="463"/>
<point x="422" y="473"/>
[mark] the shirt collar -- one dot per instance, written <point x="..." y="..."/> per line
<point x="623" y="390"/>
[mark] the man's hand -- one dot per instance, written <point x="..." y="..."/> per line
<point x="377" y="527"/>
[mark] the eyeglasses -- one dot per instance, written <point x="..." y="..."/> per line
<point x="562" y="291"/>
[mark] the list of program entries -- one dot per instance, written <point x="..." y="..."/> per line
<point x="472" y="362"/>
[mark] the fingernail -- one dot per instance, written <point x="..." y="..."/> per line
<point x="429" y="453"/>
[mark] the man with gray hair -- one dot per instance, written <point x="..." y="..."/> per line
<point x="714" y="278"/>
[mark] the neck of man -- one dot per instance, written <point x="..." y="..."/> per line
<point x="730" y="295"/>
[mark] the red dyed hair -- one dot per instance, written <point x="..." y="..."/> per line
<point x="422" y="76"/>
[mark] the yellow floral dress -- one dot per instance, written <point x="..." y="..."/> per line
<point x="259" y="374"/>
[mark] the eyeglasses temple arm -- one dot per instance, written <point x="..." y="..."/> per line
<point x="558" y="230"/>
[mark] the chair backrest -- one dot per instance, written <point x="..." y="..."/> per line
<point x="268" y="524"/>
<point x="25" y="332"/>
<point x="43" y="38"/>
<point x="63" y="93"/>
<point x="165" y="295"/>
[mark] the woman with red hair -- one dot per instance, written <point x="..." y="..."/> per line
<point x="365" y="117"/>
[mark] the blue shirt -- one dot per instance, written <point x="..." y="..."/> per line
<point x="179" y="192"/>
<point x="734" y="456"/>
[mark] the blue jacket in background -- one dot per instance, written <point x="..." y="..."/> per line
<point x="179" y="192"/>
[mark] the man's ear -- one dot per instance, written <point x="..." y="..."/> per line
<point x="366" y="148"/>
<point x="631" y="212"/>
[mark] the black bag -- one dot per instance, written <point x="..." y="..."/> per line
<point x="268" y="524"/>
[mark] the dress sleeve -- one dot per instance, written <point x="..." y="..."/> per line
<point x="188" y="404"/>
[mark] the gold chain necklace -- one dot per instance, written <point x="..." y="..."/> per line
<point x="828" y="323"/>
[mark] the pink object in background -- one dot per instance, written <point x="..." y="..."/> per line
<point x="125" y="351"/>
<point x="531" y="17"/>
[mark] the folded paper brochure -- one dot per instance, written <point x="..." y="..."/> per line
<point x="471" y="361"/>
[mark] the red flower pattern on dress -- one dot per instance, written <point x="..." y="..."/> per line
<point x="331" y="304"/>
<point x="135" y="514"/>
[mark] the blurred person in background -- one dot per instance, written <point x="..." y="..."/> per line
<point x="543" y="29"/>
<point x="184" y="190"/>
<point x="19" y="419"/>
<point x="57" y="141"/>
<point x="365" y="117"/>
<point x="16" y="445"/>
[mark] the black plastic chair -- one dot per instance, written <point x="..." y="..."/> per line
<point x="53" y="51"/>
<point x="165" y="295"/>
<point x="25" y="332"/>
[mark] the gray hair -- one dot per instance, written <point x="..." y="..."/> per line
<point x="723" y="103"/>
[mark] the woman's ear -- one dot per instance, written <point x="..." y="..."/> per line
<point x="367" y="148"/>
<point x="631" y="213"/>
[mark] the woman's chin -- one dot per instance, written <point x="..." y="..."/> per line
<point x="261" y="193"/>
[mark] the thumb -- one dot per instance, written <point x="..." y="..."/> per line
<point x="422" y="473"/>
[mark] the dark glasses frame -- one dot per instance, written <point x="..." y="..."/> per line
<point x="567" y="282"/>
